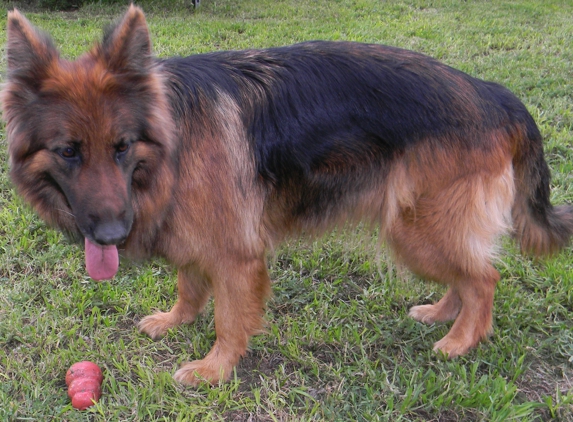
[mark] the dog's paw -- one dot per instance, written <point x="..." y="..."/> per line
<point x="443" y="311"/>
<point x="156" y="325"/>
<point x="451" y="347"/>
<point x="202" y="371"/>
<point x="423" y="313"/>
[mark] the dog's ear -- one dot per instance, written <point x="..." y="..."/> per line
<point x="126" y="46"/>
<point x="29" y="51"/>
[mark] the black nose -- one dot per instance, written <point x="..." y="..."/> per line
<point x="110" y="233"/>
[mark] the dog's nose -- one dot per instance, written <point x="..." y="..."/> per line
<point x="110" y="233"/>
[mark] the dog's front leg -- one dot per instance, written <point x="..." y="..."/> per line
<point x="241" y="288"/>
<point x="194" y="291"/>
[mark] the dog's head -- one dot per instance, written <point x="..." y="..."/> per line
<point x="88" y="139"/>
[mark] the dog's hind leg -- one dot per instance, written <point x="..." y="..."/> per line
<point x="469" y="299"/>
<point x="240" y="293"/>
<point x="474" y="321"/>
<point x="193" y="293"/>
<point x="448" y="235"/>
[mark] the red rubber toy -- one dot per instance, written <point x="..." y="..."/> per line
<point x="84" y="384"/>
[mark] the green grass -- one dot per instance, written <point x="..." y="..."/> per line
<point x="339" y="345"/>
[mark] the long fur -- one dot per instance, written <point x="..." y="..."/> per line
<point x="229" y="153"/>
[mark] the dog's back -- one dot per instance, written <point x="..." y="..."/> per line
<point x="336" y="117"/>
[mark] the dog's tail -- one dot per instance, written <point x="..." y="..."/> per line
<point x="540" y="227"/>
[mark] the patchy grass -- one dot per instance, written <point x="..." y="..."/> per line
<point x="339" y="345"/>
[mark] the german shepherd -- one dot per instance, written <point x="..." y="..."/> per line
<point x="211" y="160"/>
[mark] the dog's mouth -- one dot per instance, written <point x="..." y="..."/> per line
<point x="102" y="261"/>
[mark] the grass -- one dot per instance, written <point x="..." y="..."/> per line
<point x="339" y="345"/>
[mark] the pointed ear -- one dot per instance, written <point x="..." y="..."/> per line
<point x="29" y="51"/>
<point x="127" y="45"/>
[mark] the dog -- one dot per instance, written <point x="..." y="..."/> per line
<point x="211" y="160"/>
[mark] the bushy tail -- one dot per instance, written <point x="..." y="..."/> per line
<point x="540" y="228"/>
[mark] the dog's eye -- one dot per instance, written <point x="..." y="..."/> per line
<point x="68" y="152"/>
<point x="122" y="148"/>
<point x="121" y="151"/>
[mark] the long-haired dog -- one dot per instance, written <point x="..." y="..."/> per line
<point x="211" y="160"/>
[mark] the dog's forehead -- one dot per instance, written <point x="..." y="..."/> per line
<point x="84" y="79"/>
<point x="86" y="117"/>
<point x="89" y="95"/>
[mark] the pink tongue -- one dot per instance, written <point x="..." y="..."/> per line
<point x="102" y="262"/>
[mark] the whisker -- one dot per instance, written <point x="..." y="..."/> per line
<point x="65" y="212"/>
